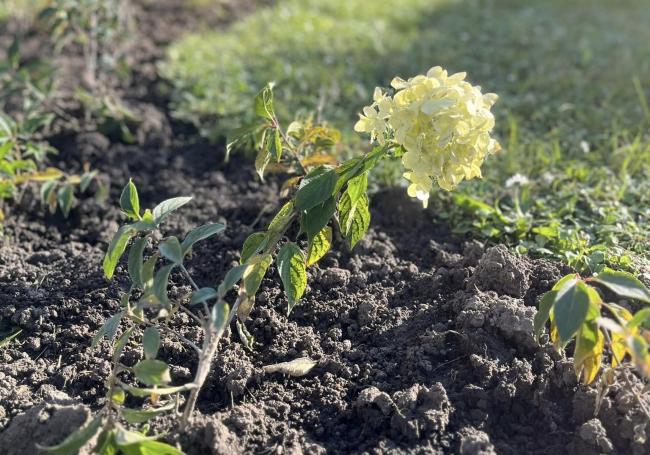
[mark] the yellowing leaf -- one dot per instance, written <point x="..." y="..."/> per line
<point x="51" y="173"/>
<point x="255" y="272"/>
<point x="288" y="184"/>
<point x="318" y="159"/>
<point x="588" y="353"/>
<point x="319" y="245"/>
<point x="619" y="348"/>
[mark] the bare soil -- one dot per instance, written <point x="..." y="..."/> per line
<point x="424" y="341"/>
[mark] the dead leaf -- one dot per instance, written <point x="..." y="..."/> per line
<point x="298" y="367"/>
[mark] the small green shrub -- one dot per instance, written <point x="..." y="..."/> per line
<point x="575" y="308"/>
<point x="25" y="89"/>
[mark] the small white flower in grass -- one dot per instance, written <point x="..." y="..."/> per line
<point x="517" y="179"/>
<point x="442" y="122"/>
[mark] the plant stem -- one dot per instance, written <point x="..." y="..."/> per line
<point x="189" y="278"/>
<point x="211" y="342"/>
<point x="276" y="124"/>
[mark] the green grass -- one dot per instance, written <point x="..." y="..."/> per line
<point x="573" y="116"/>
<point x="19" y="8"/>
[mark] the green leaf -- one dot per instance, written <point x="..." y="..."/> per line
<point x="121" y="343"/>
<point x="567" y="280"/>
<point x="148" y="272"/>
<point x="200" y="233"/>
<point x="255" y="272"/>
<point x="136" y="257"/>
<point x="152" y="372"/>
<point x="171" y="249"/>
<point x="239" y="134"/>
<point x="292" y="270"/>
<point x="150" y="342"/>
<point x="261" y="161"/>
<point x="32" y="124"/>
<point x="108" y="329"/>
<point x="357" y="187"/>
<point x="316" y="188"/>
<point x="130" y="202"/>
<point x="147" y="223"/>
<point x="65" y="197"/>
<point x="9" y="338"/>
<point x="165" y="208"/>
<point x="6" y="148"/>
<point x="86" y="178"/>
<point x="220" y="312"/>
<point x="116" y="248"/>
<point x="264" y="103"/>
<point x="145" y="392"/>
<point x="280" y="220"/>
<point x="570" y="309"/>
<point x="150" y="447"/>
<point x="76" y="440"/>
<point x="161" y="281"/>
<point x="47" y="193"/>
<point x="106" y="444"/>
<point x="543" y="313"/>
<point x="319" y="245"/>
<point x="134" y="416"/>
<point x="13" y="53"/>
<point x="232" y="278"/>
<point x="276" y="145"/>
<point x="354" y="218"/>
<point x="357" y="166"/>
<point x="118" y="396"/>
<point x="316" y="218"/>
<point x="253" y="244"/>
<point x="203" y="295"/>
<point x="640" y="318"/>
<point x="623" y="284"/>
<point x="124" y="438"/>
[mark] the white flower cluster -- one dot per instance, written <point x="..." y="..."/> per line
<point x="443" y="123"/>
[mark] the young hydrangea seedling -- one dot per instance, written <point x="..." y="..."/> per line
<point x="22" y="150"/>
<point x="575" y="307"/>
<point x="438" y="124"/>
<point x="101" y="28"/>
<point x="148" y="309"/>
<point x="578" y="310"/>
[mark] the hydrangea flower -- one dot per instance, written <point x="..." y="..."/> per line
<point x="443" y="123"/>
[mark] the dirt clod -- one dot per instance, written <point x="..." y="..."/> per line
<point x="500" y="270"/>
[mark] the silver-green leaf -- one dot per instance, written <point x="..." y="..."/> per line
<point x="152" y="372"/>
<point x="201" y="233"/>
<point x="151" y="342"/>
<point x="165" y="208"/>
<point x="130" y="201"/>
<point x="116" y="248"/>
<point x="171" y="249"/>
